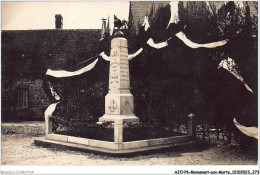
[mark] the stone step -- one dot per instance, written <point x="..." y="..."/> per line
<point x="80" y="147"/>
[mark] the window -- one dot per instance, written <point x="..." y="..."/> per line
<point x="22" y="97"/>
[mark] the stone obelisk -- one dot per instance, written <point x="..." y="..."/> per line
<point x="119" y="102"/>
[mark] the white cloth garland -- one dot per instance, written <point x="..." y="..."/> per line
<point x="104" y="56"/>
<point x="63" y="73"/>
<point x="193" y="45"/>
<point x="151" y="43"/>
<point x="249" y="131"/>
<point x="230" y="65"/>
<point x="48" y="112"/>
<point x="130" y="56"/>
<point x="146" y="24"/>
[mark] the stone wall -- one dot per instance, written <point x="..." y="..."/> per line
<point x="37" y="99"/>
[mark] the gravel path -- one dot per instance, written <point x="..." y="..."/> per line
<point x="18" y="149"/>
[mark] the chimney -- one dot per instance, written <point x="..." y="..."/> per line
<point x="58" y="21"/>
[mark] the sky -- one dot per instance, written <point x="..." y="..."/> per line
<point x="76" y="15"/>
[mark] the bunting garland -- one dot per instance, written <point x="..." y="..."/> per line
<point x="193" y="45"/>
<point x="175" y="29"/>
<point x="249" y="131"/>
<point x="104" y="56"/>
<point x="160" y="45"/>
<point x="230" y="65"/>
<point x="49" y="111"/>
<point x="131" y="56"/>
<point x="63" y="73"/>
<point x="148" y="36"/>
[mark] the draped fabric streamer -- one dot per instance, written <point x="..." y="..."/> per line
<point x="174" y="13"/>
<point x="146" y="24"/>
<point x="63" y="73"/>
<point x="230" y="65"/>
<point x="186" y="41"/>
<point x="210" y="9"/>
<point x="175" y="29"/>
<point x="249" y="131"/>
<point x="193" y="45"/>
<point x="160" y="45"/>
<point x="130" y="56"/>
<point x="84" y="63"/>
<point x="49" y="111"/>
<point x="146" y="32"/>
<point x="112" y="26"/>
<point x="104" y="56"/>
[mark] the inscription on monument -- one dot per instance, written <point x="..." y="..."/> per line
<point x="119" y="102"/>
<point x="119" y="67"/>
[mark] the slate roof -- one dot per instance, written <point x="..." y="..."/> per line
<point x="34" y="51"/>
<point x="138" y="9"/>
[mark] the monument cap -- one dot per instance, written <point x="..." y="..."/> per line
<point x="119" y="34"/>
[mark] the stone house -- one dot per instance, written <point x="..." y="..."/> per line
<point x="26" y="56"/>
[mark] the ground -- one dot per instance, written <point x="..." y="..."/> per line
<point x="18" y="149"/>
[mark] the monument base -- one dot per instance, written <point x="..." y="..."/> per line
<point x="118" y="146"/>
<point x="111" y="149"/>
<point x="123" y="118"/>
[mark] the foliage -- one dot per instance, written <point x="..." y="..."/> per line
<point x="178" y="80"/>
<point x="85" y="129"/>
<point x="151" y="130"/>
<point x="170" y="83"/>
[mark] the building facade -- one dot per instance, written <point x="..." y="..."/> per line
<point x="26" y="56"/>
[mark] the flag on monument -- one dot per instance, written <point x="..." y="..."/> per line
<point x="108" y="28"/>
<point x="174" y="13"/>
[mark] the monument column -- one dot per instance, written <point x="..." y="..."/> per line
<point x="119" y="102"/>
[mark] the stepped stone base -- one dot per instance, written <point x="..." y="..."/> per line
<point x="129" y="147"/>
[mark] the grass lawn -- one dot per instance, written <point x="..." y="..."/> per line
<point x="18" y="149"/>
